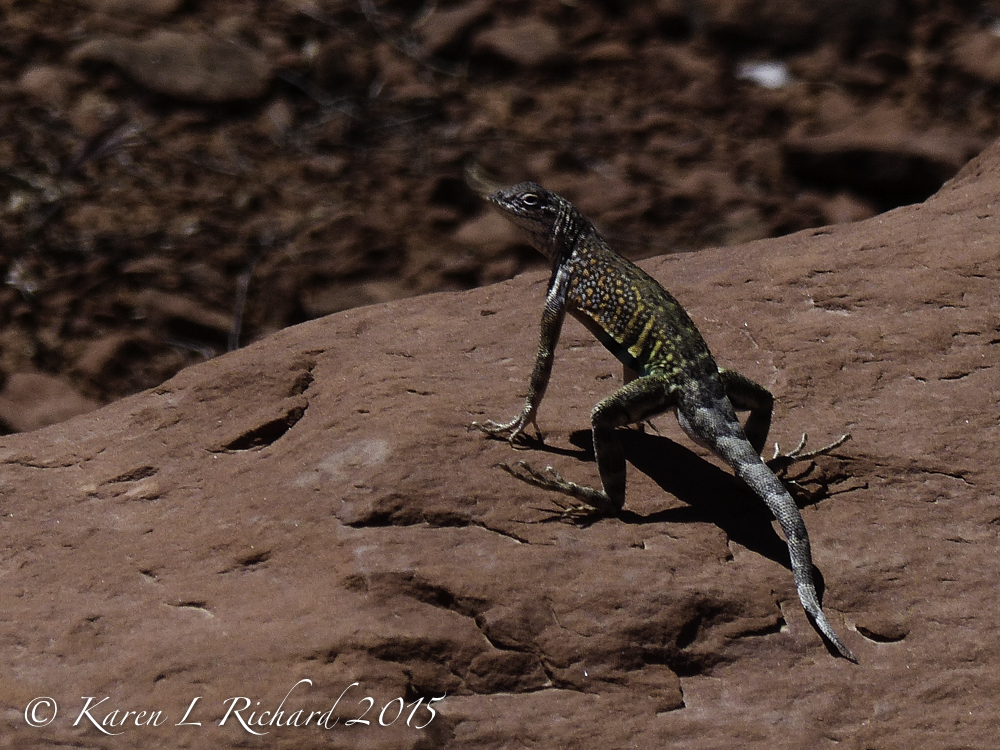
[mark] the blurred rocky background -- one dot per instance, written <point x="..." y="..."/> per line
<point x="178" y="178"/>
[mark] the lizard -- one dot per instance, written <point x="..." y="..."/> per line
<point x="668" y="367"/>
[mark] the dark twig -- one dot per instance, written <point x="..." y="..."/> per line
<point x="265" y="243"/>
<point x="119" y="134"/>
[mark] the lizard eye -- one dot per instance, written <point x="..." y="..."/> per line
<point x="530" y="200"/>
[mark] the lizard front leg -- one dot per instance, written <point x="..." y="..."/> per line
<point x="552" y="319"/>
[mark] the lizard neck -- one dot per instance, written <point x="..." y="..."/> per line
<point x="570" y="232"/>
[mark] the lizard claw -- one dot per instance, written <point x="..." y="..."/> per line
<point x="514" y="430"/>
<point x="548" y="479"/>
<point x="574" y="512"/>
<point x="781" y="461"/>
<point x="591" y="502"/>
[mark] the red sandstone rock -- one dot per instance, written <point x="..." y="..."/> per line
<point x="446" y="27"/>
<point x="528" y="43"/>
<point x="882" y="154"/>
<point x="30" y="400"/>
<point x="314" y="507"/>
<point x="131" y="8"/>
<point x="189" y="66"/>
<point x="977" y="53"/>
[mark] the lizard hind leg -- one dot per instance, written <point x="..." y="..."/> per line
<point x="628" y="375"/>
<point x="780" y="462"/>
<point x="593" y="501"/>
<point x="634" y="402"/>
<point x="745" y="394"/>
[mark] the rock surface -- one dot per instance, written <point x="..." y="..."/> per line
<point x="129" y="8"/>
<point x="880" y="156"/>
<point x="313" y="507"/>
<point x="524" y="43"/>
<point x="190" y="66"/>
<point x="31" y="400"/>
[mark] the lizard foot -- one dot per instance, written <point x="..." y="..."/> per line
<point x="781" y="461"/>
<point x="594" y="503"/>
<point x="513" y="431"/>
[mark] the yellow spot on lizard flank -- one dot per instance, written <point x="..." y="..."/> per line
<point x="635" y="316"/>
<point x="655" y="350"/>
<point x="636" y="349"/>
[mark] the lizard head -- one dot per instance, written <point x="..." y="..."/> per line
<point x="545" y="216"/>
<point x="552" y="223"/>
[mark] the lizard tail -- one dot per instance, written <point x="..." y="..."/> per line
<point x="751" y="469"/>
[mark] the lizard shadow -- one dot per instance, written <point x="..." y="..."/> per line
<point x="710" y="494"/>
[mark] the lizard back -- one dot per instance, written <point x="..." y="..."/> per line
<point x="638" y="320"/>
